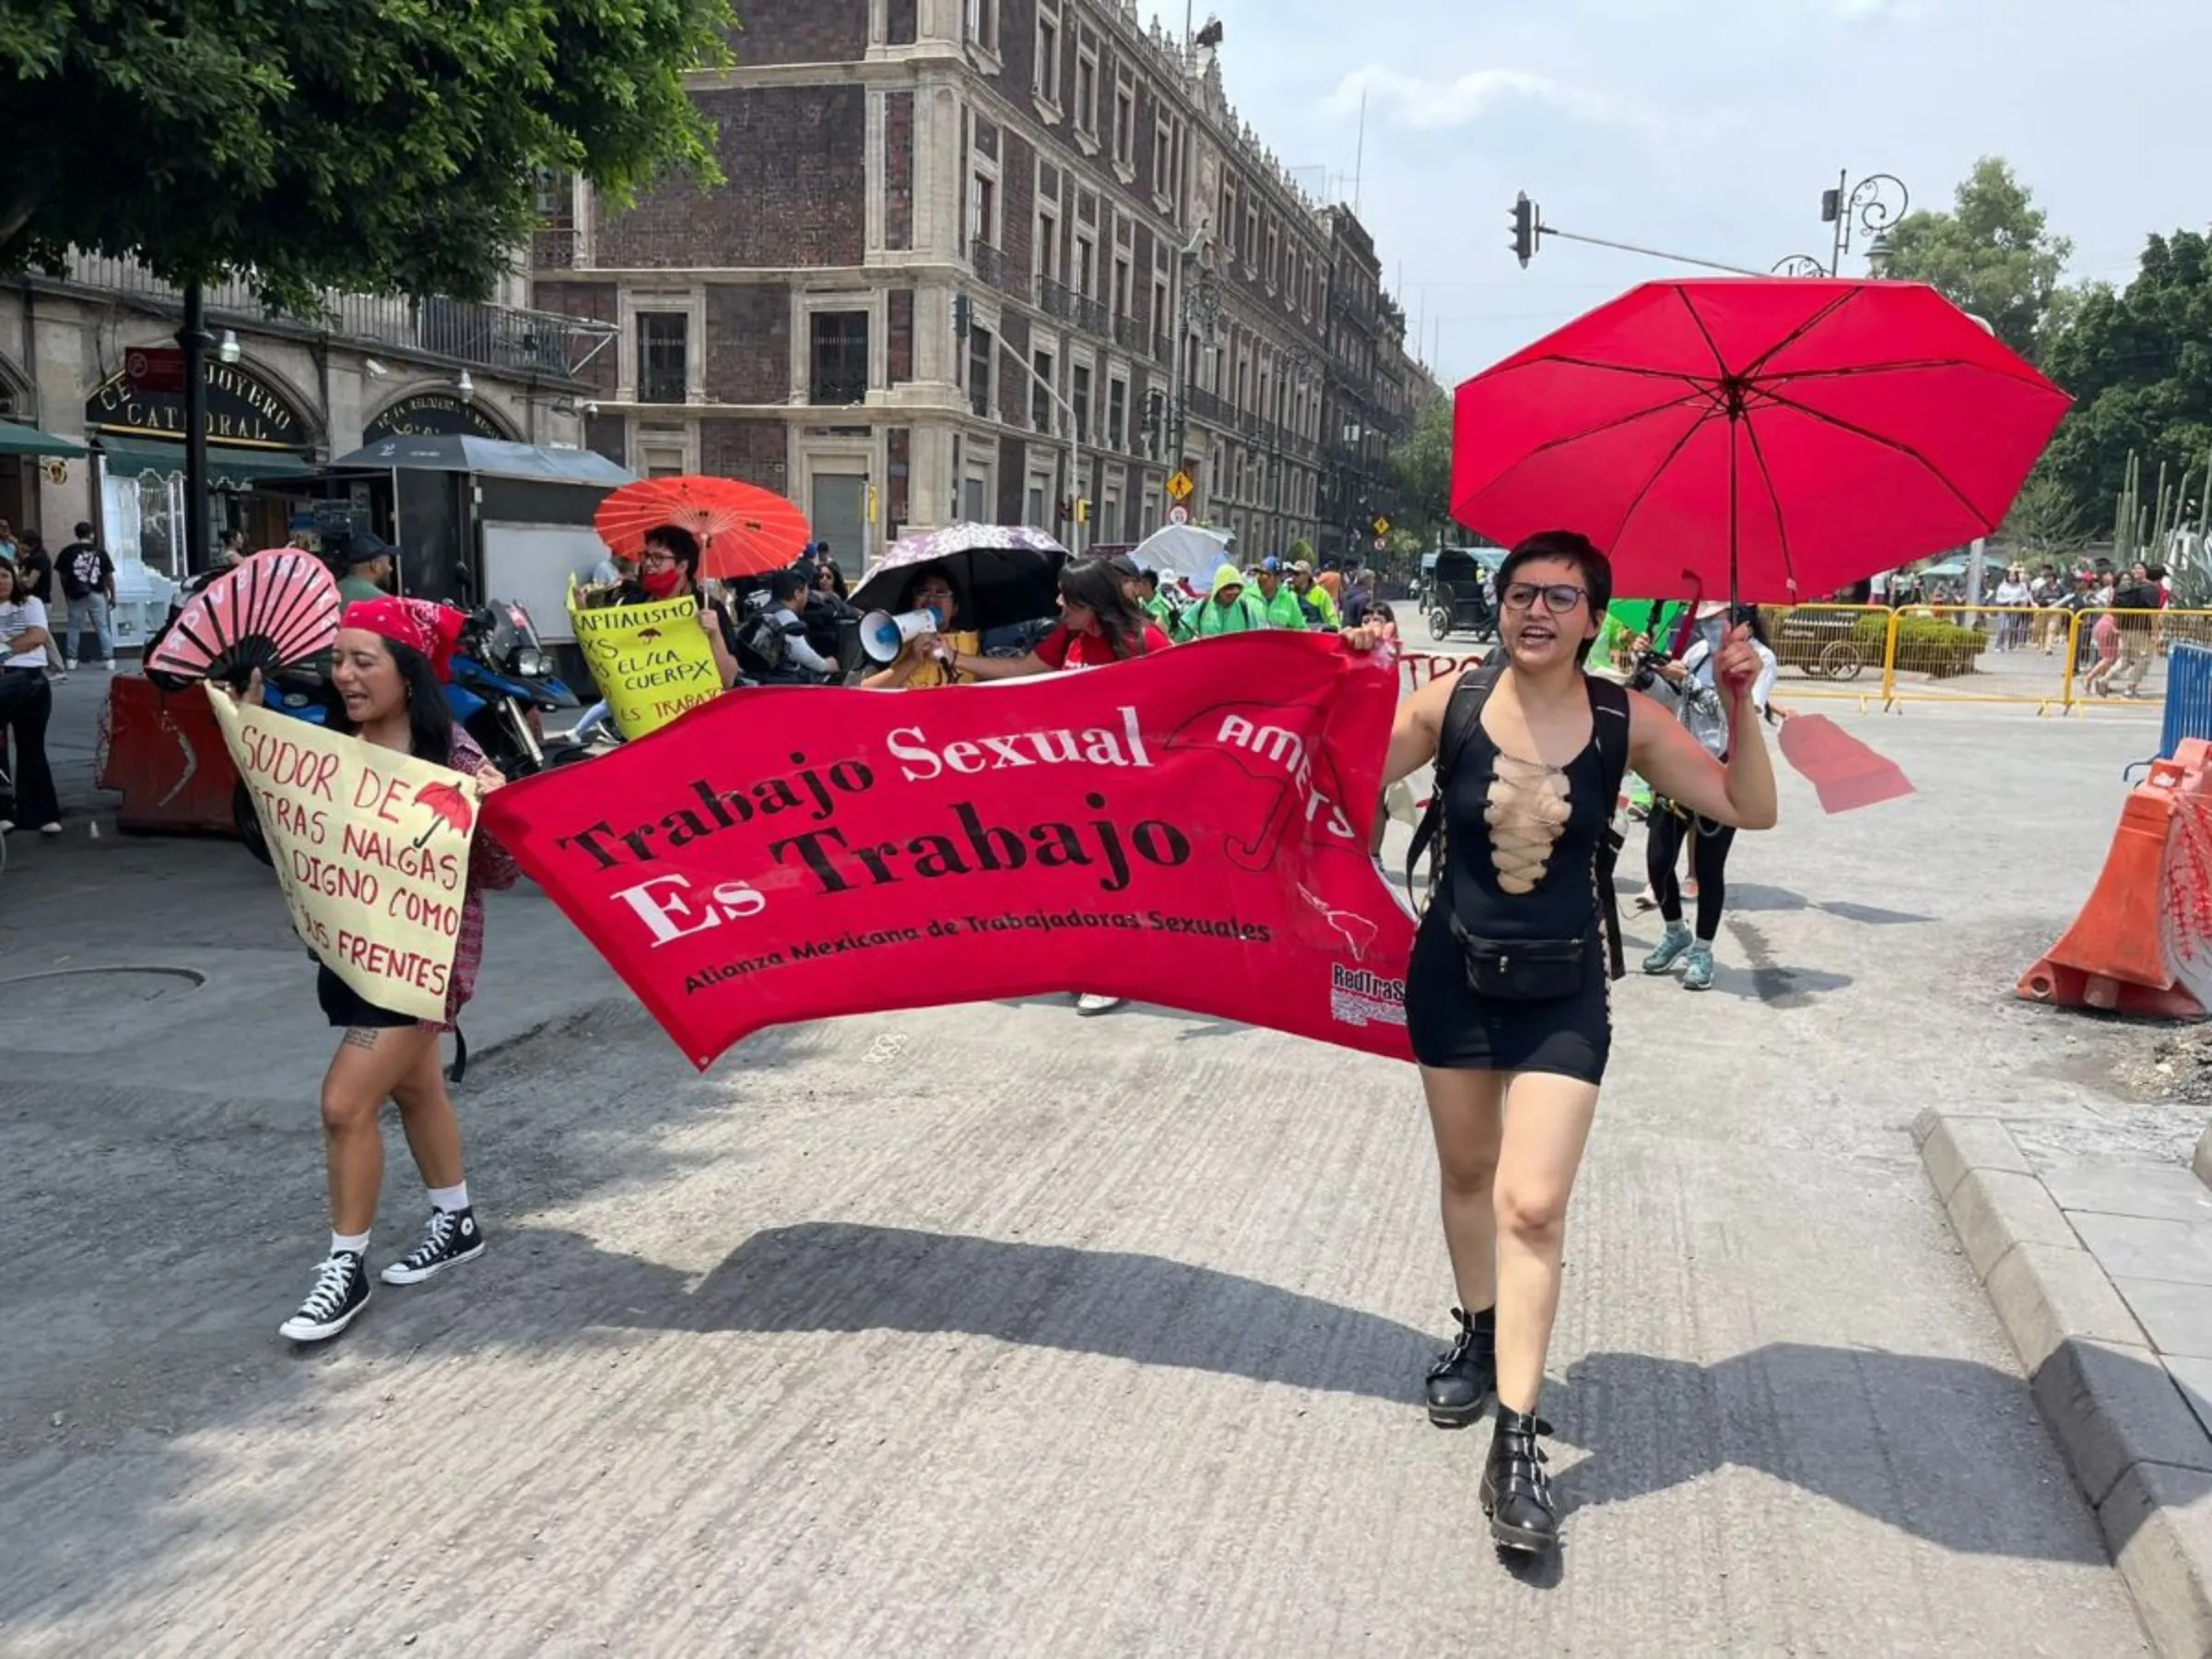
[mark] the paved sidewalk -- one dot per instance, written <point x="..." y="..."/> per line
<point x="2101" y="1270"/>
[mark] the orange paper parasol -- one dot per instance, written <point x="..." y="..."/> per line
<point x="743" y="530"/>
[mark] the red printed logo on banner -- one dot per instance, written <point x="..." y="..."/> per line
<point x="1189" y="829"/>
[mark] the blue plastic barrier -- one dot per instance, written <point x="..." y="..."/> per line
<point x="2188" y="696"/>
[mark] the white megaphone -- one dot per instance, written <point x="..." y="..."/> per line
<point x="883" y="636"/>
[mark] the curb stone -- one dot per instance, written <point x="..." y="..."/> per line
<point x="2140" y="1455"/>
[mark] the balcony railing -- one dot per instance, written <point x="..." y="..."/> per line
<point x="1090" y="316"/>
<point x="1208" y="405"/>
<point x="838" y="386"/>
<point x="990" y="263"/>
<point x="498" y="337"/>
<point x="1127" y="335"/>
<point x="1056" y="301"/>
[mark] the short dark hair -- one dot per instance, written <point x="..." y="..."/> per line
<point x="680" y="542"/>
<point x="84" y="529"/>
<point x="1568" y="547"/>
<point x="796" y="580"/>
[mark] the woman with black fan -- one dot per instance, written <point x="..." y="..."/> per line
<point x="26" y="705"/>
<point x="390" y="658"/>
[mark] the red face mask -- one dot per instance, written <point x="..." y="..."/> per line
<point x="663" y="583"/>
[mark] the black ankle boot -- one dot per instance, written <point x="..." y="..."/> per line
<point x="1516" y="1495"/>
<point x="1461" y="1381"/>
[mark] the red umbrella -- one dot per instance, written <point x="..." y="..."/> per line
<point x="1777" y="437"/>
<point x="743" y="530"/>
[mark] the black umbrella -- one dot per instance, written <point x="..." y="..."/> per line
<point x="1004" y="574"/>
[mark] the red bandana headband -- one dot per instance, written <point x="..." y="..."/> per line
<point x="433" y="630"/>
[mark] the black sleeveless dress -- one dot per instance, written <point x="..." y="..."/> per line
<point x="1543" y="827"/>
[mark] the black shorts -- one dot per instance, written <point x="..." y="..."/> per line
<point x="1453" y="1029"/>
<point x="347" y="1008"/>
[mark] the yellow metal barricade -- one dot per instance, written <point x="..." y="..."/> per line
<point x="1827" y="650"/>
<point x="1988" y="654"/>
<point x="2120" y="655"/>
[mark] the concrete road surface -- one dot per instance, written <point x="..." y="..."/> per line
<point x="996" y="1331"/>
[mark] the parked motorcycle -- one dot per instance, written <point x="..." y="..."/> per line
<point x="501" y="687"/>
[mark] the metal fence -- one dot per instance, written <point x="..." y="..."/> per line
<point x="2053" y="660"/>
<point x="2050" y="661"/>
<point x="484" y="336"/>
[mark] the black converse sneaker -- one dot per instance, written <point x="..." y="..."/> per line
<point x="451" y="1236"/>
<point x="341" y="1290"/>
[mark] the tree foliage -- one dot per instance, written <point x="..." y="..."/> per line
<point x="2139" y="364"/>
<point x="389" y="145"/>
<point x="1993" y="254"/>
<point x="1422" y="471"/>
<point x="2044" y="526"/>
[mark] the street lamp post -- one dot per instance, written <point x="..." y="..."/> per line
<point x="1294" y="363"/>
<point x="1873" y="205"/>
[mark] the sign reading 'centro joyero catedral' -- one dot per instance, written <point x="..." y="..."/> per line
<point x="243" y="410"/>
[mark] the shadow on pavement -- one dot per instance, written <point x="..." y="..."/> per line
<point x="1749" y="895"/>
<point x="841" y="1276"/>
<point x="1889" y="1435"/>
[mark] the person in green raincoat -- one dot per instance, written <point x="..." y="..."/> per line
<point x="1229" y="609"/>
<point x="1157" y="605"/>
<point x="1275" y="597"/>
<point x="1315" y="600"/>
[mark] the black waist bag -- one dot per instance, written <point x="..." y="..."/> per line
<point x="1527" y="970"/>
<point x="1519" y="971"/>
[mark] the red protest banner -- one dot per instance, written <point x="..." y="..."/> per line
<point x="1189" y="829"/>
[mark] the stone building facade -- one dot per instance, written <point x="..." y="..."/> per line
<point x="954" y="236"/>
<point x="284" y="397"/>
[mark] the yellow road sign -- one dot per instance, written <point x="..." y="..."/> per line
<point x="1180" y="487"/>
<point x="1382" y="526"/>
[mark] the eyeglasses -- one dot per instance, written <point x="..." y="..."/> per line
<point x="1560" y="597"/>
<point x="656" y="559"/>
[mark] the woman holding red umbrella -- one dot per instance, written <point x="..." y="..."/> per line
<point x="389" y="661"/>
<point x="1507" y="997"/>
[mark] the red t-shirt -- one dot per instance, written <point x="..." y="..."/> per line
<point x="1063" y="647"/>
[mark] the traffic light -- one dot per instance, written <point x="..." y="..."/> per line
<point x="1062" y="511"/>
<point x="963" y="314"/>
<point x="1525" y="229"/>
<point x="1156" y="422"/>
<point x="1082" y="510"/>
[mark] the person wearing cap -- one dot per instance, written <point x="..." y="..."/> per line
<point x="1157" y="603"/>
<point x="1703" y="712"/>
<point x="1315" y="600"/>
<point x="368" y="566"/>
<point x="390" y="658"/>
<point x="1228" y="609"/>
<point x="1278" y="602"/>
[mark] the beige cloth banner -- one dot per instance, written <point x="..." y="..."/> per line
<point x="652" y="662"/>
<point x="371" y="848"/>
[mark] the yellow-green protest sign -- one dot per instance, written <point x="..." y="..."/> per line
<point x="652" y="662"/>
<point x="371" y="848"/>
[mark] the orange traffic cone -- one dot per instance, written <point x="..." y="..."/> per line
<point x="2115" y="957"/>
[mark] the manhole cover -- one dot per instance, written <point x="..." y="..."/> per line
<point x="73" y="992"/>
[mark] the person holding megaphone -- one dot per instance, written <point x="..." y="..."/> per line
<point x="926" y="623"/>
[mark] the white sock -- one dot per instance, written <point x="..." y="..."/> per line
<point x="452" y="1199"/>
<point x="355" y="1243"/>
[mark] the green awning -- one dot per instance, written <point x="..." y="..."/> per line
<point x="134" y="458"/>
<point x="19" y="440"/>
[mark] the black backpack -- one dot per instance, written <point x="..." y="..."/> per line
<point x="1610" y="711"/>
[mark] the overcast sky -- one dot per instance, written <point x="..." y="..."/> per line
<point x="1707" y="128"/>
